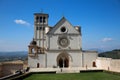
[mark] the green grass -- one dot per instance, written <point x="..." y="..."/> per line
<point x="74" y="76"/>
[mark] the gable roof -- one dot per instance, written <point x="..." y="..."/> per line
<point x="59" y="23"/>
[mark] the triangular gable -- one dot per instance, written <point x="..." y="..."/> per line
<point x="63" y="22"/>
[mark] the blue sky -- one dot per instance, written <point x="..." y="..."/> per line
<point x="99" y="19"/>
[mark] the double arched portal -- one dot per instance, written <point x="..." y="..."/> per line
<point x="64" y="60"/>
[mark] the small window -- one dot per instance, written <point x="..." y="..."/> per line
<point x="63" y="29"/>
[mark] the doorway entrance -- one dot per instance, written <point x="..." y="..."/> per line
<point x="63" y="60"/>
<point x="94" y="64"/>
<point x="38" y="65"/>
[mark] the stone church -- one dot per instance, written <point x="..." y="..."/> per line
<point x="58" y="46"/>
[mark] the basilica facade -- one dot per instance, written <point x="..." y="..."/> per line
<point x="58" y="46"/>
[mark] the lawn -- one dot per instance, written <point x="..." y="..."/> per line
<point x="74" y="76"/>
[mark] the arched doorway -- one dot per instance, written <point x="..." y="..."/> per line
<point x="63" y="60"/>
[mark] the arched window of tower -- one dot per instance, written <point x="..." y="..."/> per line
<point x="43" y="28"/>
<point x="40" y="19"/>
<point x="44" y="19"/>
<point x="40" y="28"/>
<point x="37" y="19"/>
<point x="33" y="51"/>
<point x="37" y="28"/>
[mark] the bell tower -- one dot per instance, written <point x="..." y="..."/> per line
<point x="40" y="23"/>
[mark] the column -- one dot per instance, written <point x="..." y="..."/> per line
<point x="63" y="62"/>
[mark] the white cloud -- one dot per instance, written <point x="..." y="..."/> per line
<point x="20" y="21"/>
<point x="107" y="39"/>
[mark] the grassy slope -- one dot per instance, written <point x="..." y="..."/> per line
<point x="73" y="76"/>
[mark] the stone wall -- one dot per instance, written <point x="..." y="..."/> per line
<point x="115" y="65"/>
<point x="108" y="64"/>
<point x="75" y="58"/>
<point x="37" y="61"/>
<point x="7" y="68"/>
<point x="0" y="70"/>
<point x="89" y="58"/>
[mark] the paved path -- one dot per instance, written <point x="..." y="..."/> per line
<point x="62" y="70"/>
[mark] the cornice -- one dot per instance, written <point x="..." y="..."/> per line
<point x="53" y="50"/>
<point x="69" y="34"/>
